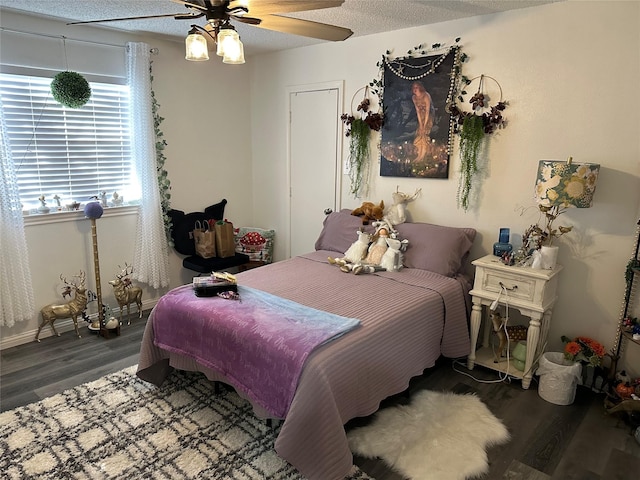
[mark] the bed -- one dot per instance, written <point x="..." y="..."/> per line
<point x="406" y="321"/>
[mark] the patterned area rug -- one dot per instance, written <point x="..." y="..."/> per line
<point x="438" y="436"/>
<point x="120" y="427"/>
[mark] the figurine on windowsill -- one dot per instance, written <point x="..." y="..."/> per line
<point x="43" y="205"/>
<point x="117" y="199"/>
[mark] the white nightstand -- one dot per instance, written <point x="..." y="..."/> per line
<point x="530" y="291"/>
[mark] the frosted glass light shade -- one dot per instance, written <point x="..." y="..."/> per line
<point x="222" y="38"/>
<point x="230" y="47"/>
<point x="235" y="56"/>
<point x="196" y="47"/>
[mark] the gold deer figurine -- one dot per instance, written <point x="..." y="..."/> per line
<point x="126" y="293"/>
<point x="72" y="309"/>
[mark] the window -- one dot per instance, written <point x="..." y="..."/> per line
<point x="73" y="154"/>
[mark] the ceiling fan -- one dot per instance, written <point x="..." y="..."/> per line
<point x="219" y="13"/>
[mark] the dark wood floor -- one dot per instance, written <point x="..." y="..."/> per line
<point x="548" y="441"/>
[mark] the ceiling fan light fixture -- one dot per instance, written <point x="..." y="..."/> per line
<point x="196" y="46"/>
<point x="234" y="54"/>
<point x="227" y="37"/>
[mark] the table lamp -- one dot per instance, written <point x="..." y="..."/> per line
<point x="561" y="185"/>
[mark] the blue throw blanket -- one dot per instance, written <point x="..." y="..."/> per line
<point x="259" y="343"/>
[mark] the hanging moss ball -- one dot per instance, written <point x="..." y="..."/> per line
<point x="70" y="89"/>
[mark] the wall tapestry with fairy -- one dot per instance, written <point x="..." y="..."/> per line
<point x="416" y="135"/>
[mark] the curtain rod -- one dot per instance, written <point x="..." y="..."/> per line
<point x="154" y="50"/>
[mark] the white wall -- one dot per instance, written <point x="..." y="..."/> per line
<point x="206" y="108"/>
<point x="568" y="72"/>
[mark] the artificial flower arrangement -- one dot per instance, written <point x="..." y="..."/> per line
<point x="359" y="128"/>
<point x="584" y="350"/>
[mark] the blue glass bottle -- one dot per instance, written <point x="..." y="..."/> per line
<point x="502" y="246"/>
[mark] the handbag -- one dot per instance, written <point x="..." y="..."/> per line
<point x="205" y="239"/>
<point x="225" y="239"/>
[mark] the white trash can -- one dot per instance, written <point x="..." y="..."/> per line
<point x="559" y="378"/>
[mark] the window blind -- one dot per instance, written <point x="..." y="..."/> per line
<point x="72" y="153"/>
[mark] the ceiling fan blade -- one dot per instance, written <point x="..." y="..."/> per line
<point x="260" y="8"/>
<point x="177" y="16"/>
<point x="305" y="28"/>
<point x="249" y="20"/>
<point x="197" y="6"/>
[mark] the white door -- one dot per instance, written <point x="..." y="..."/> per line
<point x="314" y="161"/>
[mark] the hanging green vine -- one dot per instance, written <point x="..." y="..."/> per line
<point x="163" y="179"/>
<point x="473" y="127"/>
<point x="359" y="130"/>
<point x="358" y="156"/>
<point x="471" y="136"/>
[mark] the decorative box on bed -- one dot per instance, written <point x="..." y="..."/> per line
<point x="406" y="320"/>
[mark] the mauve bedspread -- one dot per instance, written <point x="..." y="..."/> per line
<point x="408" y="319"/>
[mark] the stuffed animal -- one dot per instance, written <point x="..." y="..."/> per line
<point x="356" y="252"/>
<point x="396" y="214"/>
<point x="392" y="258"/>
<point x="369" y="211"/>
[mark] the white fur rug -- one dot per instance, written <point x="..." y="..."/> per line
<point x="438" y="436"/>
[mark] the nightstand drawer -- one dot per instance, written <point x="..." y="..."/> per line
<point x="517" y="287"/>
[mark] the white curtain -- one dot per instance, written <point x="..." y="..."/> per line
<point x="16" y="291"/>
<point x="151" y="252"/>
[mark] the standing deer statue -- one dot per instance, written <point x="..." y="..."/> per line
<point x="72" y="308"/>
<point x="126" y="293"/>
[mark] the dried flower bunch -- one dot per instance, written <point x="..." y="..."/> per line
<point x="492" y="119"/>
<point x="373" y="120"/>
<point x="549" y="232"/>
<point x="584" y="350"/>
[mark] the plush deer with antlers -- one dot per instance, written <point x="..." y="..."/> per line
<point x="126" y="293"/>
<point x="72" y="309"/>
<point x="397" y="213"/>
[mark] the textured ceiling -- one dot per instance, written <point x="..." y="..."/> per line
<point x="364" y="17"/>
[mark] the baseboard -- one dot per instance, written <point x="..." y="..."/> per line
<point x="64" y="325"/>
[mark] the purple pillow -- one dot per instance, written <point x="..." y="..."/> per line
<point x="339" y="231"/>
<point x="436" y="248"/>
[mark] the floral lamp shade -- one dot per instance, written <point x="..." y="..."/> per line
<point x="566" y="184"/>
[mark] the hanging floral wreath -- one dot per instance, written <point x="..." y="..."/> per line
<point x="358" y="129"/>
<point x="472" y="127"/>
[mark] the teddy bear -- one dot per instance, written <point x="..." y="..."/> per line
<point x="356" y="252"/>
<point x="369" y="211"/>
